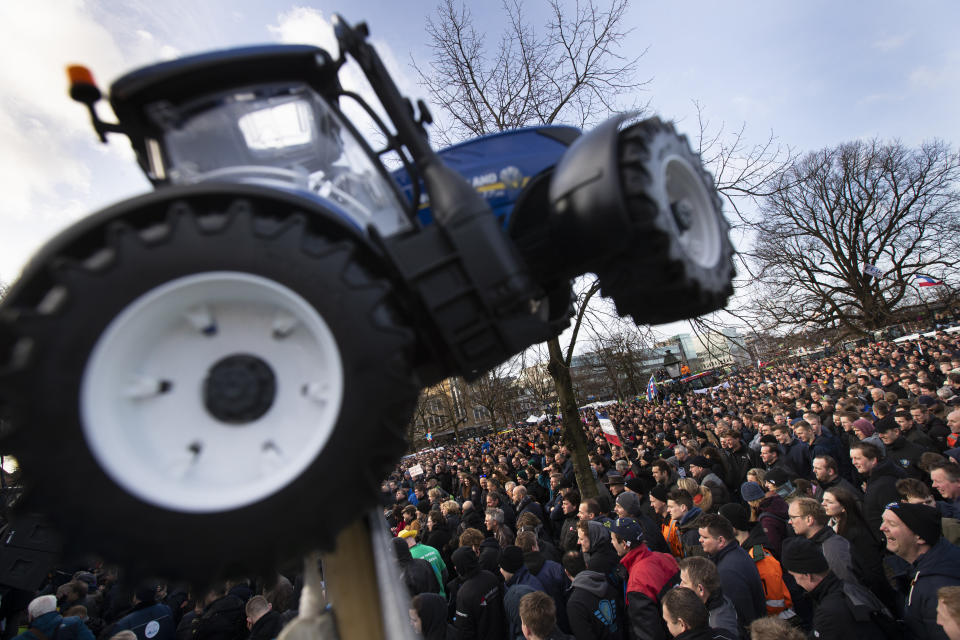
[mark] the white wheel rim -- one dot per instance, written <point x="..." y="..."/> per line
<point x="162" y="444"/>
<point x="701" y="240"/>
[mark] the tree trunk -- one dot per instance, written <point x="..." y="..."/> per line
<point x="573" y="433"/>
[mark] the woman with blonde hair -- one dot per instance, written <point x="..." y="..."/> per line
<point x="702" y="496"/>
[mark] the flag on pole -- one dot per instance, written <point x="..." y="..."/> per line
<point x="429" y="436"/>
<point x="926" y="281"/>
<point x="651" y="389"/>
<point x="609" y="431"/>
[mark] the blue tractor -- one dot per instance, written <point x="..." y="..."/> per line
<point x="231" y="359"/>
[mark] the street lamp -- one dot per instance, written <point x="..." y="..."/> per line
<point x="672" y="364"/>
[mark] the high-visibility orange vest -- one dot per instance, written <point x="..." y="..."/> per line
<point x="671" y="533"/>
<point x="771" y="574"/>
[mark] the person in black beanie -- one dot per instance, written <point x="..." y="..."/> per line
<point x="913" y="532"/>
<point x="841" y="610"/>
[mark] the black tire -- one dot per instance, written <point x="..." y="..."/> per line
<point x="660" y="278"/>
<point x="44" y="348"/>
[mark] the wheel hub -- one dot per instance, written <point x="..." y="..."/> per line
<point x="682" y="214"/>
<point x="239" y="389"/>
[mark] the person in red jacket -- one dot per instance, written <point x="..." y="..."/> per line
<point x="649" y="576"/>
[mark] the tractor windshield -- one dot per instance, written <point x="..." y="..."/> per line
<point x="286" y="137"/>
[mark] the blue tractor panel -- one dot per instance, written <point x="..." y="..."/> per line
<point x="500" y="165"/>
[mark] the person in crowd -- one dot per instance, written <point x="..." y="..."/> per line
<point x="594" y="607"/>
<point x="416" y="573"/>
<point x="685" y="514"/>
<point x="495" y="524"/>
<point x="538" y="618"/>
<point x="809" y="520"/>
<point x="774" y="629"/>
<point x="685" y="615"/>
<point x="428" y="553"/>
<point x="768" y="510"/>
<point x="517" y="582"/>
<point x="148" y="619"/>
<point x="841" y="610"/>
<point x="428" y="616"/>
<point x="913" y="532"/>
<point x="945" y="478"/>
<point x="45" y="623"/>
<point x="826" y="472"/>
<point x="739" y="576"/>
<point x="846" y="518"/>
<point x="948" y="611"/>
<point x="649" y="576"/>
<point x="479" y="610"/>
<point x="700" y="575"/>
<point x="263" y="622"/>
<point x="880" y="481"/>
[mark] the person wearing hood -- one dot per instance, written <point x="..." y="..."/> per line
<point x="598" y="553"/>
<point x="550" y="573"/>
<point x="428" y="615"/>
<point x="629" y="505"/>
<point x="700" y="576"/>
<point x="416" y="573"/>
<point x="682" y="511"/>
<point x="46" y="623"/>
<point x="739" y="576"/>
<point x="880" y="479"/>
<point x="479" y="610"/>
<point x="594" y="606"/>
<point x="913" y="532"/>
<point x="518" y="582"/>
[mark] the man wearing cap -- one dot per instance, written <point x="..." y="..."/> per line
<point x="615" y="484"/>
<point x="841" y="611"/>
<point x="428" y="553"/>
<point x="701" y="470"/>
<point x="738" y="573"/>
<point x="913" y="532"/>
<point x="518" y="582"/>
<point x="629" y="506"/>
<point x="649" y="575"/>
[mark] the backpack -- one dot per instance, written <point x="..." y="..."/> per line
<point x="865" y="607"/>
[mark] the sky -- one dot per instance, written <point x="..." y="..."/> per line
<point x="813" y="74"/>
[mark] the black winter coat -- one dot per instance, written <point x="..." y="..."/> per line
<point x="594" y="608"/>
<point x="479" y="612"/>
<point x="741" y="583"/>
<point x="833" y="618"/>
<point x="881" y="491"/>
<point x="223" y="619"/>
<point x="938" y="567"/>
<point x="267" y="627"/>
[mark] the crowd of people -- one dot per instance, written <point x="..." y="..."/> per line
<point x="811" y="499"/>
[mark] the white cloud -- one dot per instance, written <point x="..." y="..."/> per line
<point x="50" y="160"/>
<point x="892" y="42"/>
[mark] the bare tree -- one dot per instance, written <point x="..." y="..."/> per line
<point x="842" y="209"/>
<point x="570" y="71"/>
<point x="497" y="392"/>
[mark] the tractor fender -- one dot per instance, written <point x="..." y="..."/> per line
<point x="142" y="211"/>
<point x="586" y="194"/>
